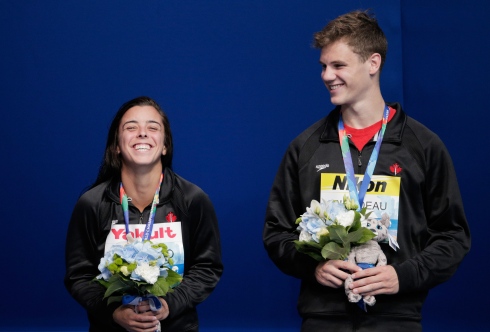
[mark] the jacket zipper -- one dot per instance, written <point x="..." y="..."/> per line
<point x="359" y="159"/>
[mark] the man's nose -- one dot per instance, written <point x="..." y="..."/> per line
<point x="328" y="74"/>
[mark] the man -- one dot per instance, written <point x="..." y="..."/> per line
<point x="411" y="163"/>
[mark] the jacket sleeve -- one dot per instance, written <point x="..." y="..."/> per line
<point x="82" y="256"/>
<point x="284" y="207"/>
<point x="448" y="239"/>
<point x="204" y="250"/>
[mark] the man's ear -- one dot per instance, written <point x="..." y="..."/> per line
<point x="375" y="63"/>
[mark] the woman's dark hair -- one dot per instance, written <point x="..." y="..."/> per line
<point x="111" y="164"/>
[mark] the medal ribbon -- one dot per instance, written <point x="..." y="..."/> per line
<point x="151" y="218"/>
<point x="349" y="168"/>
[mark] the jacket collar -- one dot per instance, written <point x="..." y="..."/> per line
<point x="393" y="134"/>
<point x="112" y="190"/>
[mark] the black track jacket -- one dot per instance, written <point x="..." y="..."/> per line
<point x="87" y="233"/>
<point x="433" y="232"/>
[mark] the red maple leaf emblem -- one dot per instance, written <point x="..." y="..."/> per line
<point x="171" y="217"/>
<point x="395" y="168"/>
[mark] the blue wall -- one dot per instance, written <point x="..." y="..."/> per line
<point x="239" y="80"/>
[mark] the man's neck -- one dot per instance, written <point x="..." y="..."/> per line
<point x="363" y="115"/>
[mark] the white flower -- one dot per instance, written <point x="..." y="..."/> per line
<point x="350" y="203"/>
<point x="146" y="272"/>
<point x="124" y="270"/>
<point x="346" y="218"/>
<point x="322" y="232"/>
<point x="315" y="208"/>
<point x="333" y="209"/>
<point x="305" y="236"/>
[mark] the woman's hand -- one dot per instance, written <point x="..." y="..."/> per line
<point x="160" y="314"/>
<point x="132" y="321"/>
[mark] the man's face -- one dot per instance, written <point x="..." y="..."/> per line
<point x="346" y="77"/>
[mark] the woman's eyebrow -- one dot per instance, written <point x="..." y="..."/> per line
<point x="134" y="121"/>
<point x="154" y="121"/>
<point x="129" y="121"/>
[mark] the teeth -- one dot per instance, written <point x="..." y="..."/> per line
<point x="140" y="147"/>
<point x="333" y="87"/>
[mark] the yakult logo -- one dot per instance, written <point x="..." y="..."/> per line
<point x="159" y="233"/>
<point x="169" y="233"/>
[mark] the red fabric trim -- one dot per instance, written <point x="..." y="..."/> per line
<point x="360" y="137"/>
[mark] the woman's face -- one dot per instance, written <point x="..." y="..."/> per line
<point x="141" y="137"/>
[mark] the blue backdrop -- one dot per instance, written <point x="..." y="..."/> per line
<point x="239" y="80"/>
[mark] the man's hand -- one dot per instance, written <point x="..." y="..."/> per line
<point x="375" y="280"/>
<point x="332" y="273"/>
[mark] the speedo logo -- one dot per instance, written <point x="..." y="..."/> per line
<point x="340" y="183"/>
<point x="320" y="167"/>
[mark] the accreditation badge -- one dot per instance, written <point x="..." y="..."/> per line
<point x="382" y="196"/>
<point x="169" y="233"/>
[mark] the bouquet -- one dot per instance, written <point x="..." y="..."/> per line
<point x="329" y="229"/>
<point x="137" y="271"/>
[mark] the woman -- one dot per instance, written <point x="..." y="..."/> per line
<point x="137" y="162"/>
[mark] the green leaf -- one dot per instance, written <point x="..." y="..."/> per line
<point x="366" y="235"/>
<point x="357" y="217"/>
<point x="360" y="236"/>
<point x="309" y="248"/>
<point x="307" y="244"/>
<point x="173" y="278"/>
<point x="159" y="288"/>
<point x="356" y="224"/>
<point x="102" y="282"/>
<point x="114" y="299"/>
<point x="118" y="285"/>
<point x="334" y="251"/>
<point x="324" y="239"/>
<point x="337" y="233"/>
<point x="140" y="283"/>
<point x="366" y="215"/>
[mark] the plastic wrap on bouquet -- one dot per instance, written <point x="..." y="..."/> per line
<point x="153" y="301"/>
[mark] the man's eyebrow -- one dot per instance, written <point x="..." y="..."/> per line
<point x="334" y="62"/>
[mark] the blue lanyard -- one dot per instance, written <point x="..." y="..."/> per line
<point x="151" y="218"/>
<point x="349" y="168"/>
